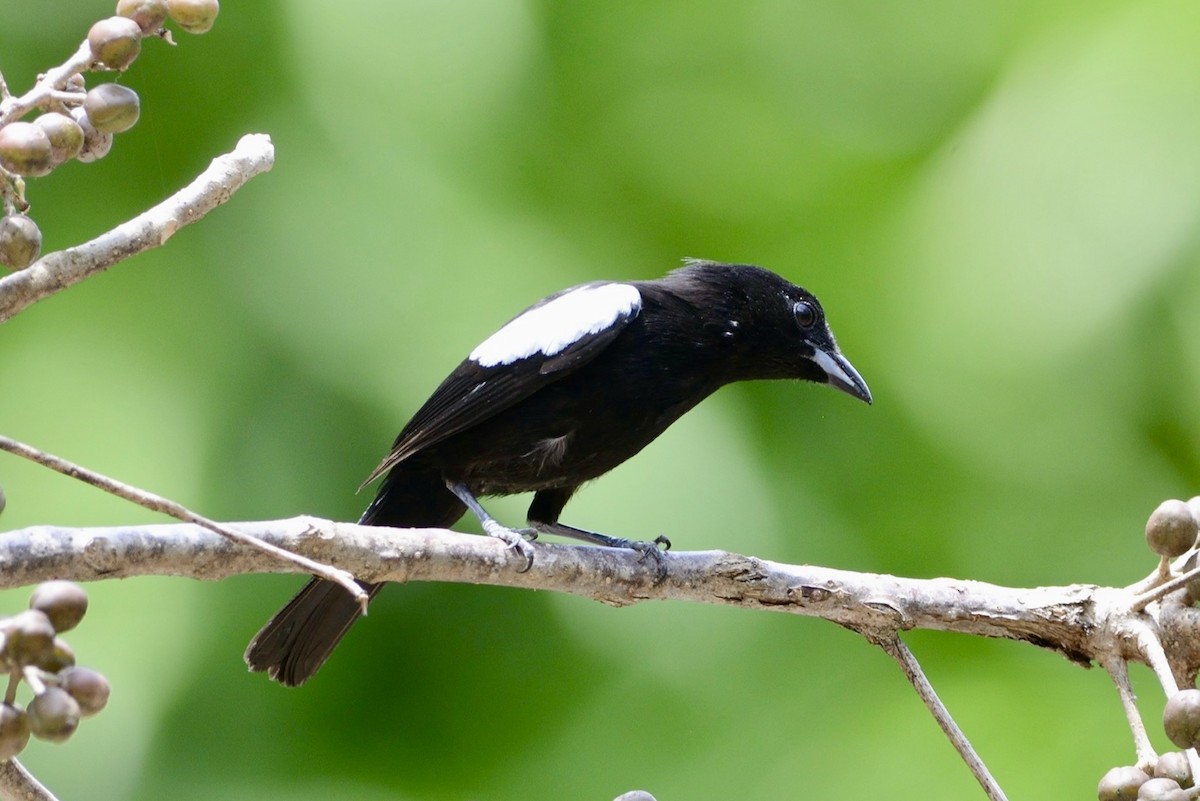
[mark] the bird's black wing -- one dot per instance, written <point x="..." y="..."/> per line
<point x="484" y="384"/>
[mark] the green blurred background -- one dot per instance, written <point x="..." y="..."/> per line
<point x="998" y="203"/>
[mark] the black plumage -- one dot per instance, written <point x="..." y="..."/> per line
<point x="563" y="393"/>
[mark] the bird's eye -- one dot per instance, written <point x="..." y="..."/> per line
<point x="805" y="314"/>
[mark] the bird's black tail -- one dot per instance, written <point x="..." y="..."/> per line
<point x="301" y="636"/>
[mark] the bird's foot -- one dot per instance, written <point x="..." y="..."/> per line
<point x="649" y="550"/>
<point x="644" y="549"/>
<point x="516" y="539"/>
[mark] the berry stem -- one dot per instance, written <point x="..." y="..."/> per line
<point x="1166" y="588"/>
<point x="33" y="677"/>
<point x="10" y="693"/>
<point x="1118" y="669"/>
<point x="14" y="108"/>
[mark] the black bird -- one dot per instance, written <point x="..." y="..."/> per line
<point x="563" y="393"/>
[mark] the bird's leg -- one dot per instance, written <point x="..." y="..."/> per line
<point x="596" y="538"/>
<point x="517" y="540"/>
<point x="543" y="518"/>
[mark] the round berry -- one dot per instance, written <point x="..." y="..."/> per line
<point x="1171" y="529"/>
<point x="53" y="715"/>
<point x="1161" y="790"/>
<point x="148" y="14"/>
<point x="66" y="137"/>
<point x="89" y="689"/>
<point x="194" y="16"/>
<point x="115" y="42"/>
<point x="64" y="602"/>
<point x="1121" y="784"/>
<point x="60" y="658"/>
<point x="1181" y="718"/>
<point x="25" y="149"/>
<point x="112" y="108"/>
<point x="96" y="144"/>
<point x="14" y="731"/>
<point x="29" y="638"/>
<point x="1174" y="765"/>
<point x="20" y="245"/>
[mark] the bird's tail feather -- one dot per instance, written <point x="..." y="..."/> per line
<point x="294" y="643"/>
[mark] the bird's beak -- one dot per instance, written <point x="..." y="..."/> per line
<point x="841" y="373"/>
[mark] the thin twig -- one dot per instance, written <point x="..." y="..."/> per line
<point x="56" y="271"/>
<point x="1156" y="657"/>
<point x="18" y="784"/>
<point x="897" y="649"/>
<point x="1162" y="590"/>
<point x="157" y="503"/>
<point x="1118" y="669"/>
<point x="14" y="108"/>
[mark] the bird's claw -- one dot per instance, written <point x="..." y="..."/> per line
<point x="514" y="540"/>
<point x="651" y="549"/>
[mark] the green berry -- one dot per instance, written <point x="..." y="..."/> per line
<point x="1121" y="784"/>
<point x="148" y="14"/>
<point x="25" y="149"/>
<point x="66" y="137"/>
<point x="20" y="245"/>
<point x="64" y="602"/>
<point x="89" y="689"/>
<point x="112" y="108"/>
<point x="53" y="715"/>
<point x="194" y="16"/>
<point x="1171" y="529"/>
<point x="115" y="42"/>
<point x="14" y="731"/>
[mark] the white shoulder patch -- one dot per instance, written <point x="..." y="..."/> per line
<point x="554" y="326"/>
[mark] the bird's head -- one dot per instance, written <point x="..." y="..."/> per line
<point x="774" y="328"/>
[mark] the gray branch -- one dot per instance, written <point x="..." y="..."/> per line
<point x="56" y="271"/>
<point x="912" y="670"/>
<point x="1084" y="623"/>
<point x="18" y="783"/>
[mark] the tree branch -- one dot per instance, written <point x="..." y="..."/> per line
<point x="157" y="503"/>
<point x="55" y="272"/>
<point x="1082" y="622"/>
<point x="18" y="783"/>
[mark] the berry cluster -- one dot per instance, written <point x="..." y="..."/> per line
<point x="1172" y="776"/>
<point x="76" y="122"/>
<point x="1171" y="532"/>
<point x="32" y="650"/>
